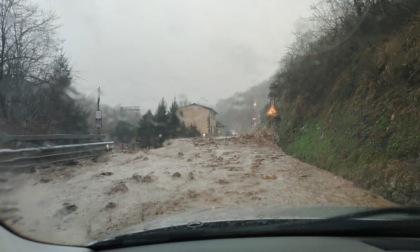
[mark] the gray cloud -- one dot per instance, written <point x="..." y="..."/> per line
<point x="140" y="51"/>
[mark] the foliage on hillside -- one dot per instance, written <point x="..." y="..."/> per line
<point x="348" y="94"/>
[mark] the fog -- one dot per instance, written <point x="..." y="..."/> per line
<point x="141" y="51"/>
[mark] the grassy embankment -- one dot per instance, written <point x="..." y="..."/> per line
<point x="367" y="128"/>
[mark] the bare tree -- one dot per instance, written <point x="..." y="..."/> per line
<point x="28" y="45"/>
<point x="35" y="75"/>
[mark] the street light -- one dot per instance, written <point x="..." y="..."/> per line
<point x="271" y="112"/>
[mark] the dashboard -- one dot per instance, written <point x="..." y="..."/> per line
<point x="12" y="242"/>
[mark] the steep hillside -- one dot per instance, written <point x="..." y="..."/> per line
<point x="358" y="115"/>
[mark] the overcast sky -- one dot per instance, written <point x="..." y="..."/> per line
<point x="139" y="51"/>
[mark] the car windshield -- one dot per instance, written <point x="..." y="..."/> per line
<point x="120" y="116"/>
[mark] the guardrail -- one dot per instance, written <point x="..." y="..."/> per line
<point x="11" y="159"/>
<point x="17" y="141"/>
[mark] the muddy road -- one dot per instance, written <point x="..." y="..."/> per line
<point x="76" y="204"/>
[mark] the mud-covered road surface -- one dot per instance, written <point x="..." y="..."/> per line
<point x="80" y="203"/>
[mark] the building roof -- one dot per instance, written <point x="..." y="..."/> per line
<point x="195" y="104"/>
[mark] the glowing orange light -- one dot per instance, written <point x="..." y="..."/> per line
<point x="271" y="111"/>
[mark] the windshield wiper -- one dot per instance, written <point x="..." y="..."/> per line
<point x="404" y="222"/>
<point x="395" y="212"/>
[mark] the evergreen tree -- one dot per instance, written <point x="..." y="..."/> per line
<point x="190" y="131"/>
<point x="153" y="130"/>
<point x="161" y="121"/>
<point x="147" y="131"/>
<point x="174" y="123"/>
<point x="67" y="116"/>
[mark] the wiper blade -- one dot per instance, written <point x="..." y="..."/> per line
<point x="355" y="224"/>
<point x="396" y="212"/>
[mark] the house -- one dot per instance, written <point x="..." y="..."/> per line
<point x="204" y="118"/>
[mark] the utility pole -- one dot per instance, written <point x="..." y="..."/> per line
<point x="98" y="117"/>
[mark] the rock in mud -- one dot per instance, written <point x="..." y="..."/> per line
<point x="66" y="210"/>
<point x="136" y="177"/>
<point x="45" y="180"/>
<point x="270" y="177"/>
<point x="192" y="194"/>
<point x="119" y="187"/>
<point x="105" y="174"/>
<point x="227" y="153"/>
<point x="176" y="175"/>
<point x="147" y="179"/>
<point x="110" y="205"/>
<point x="190" y="176"/>
<point x="180" y="154"/>
<point x="223" y="181"/>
